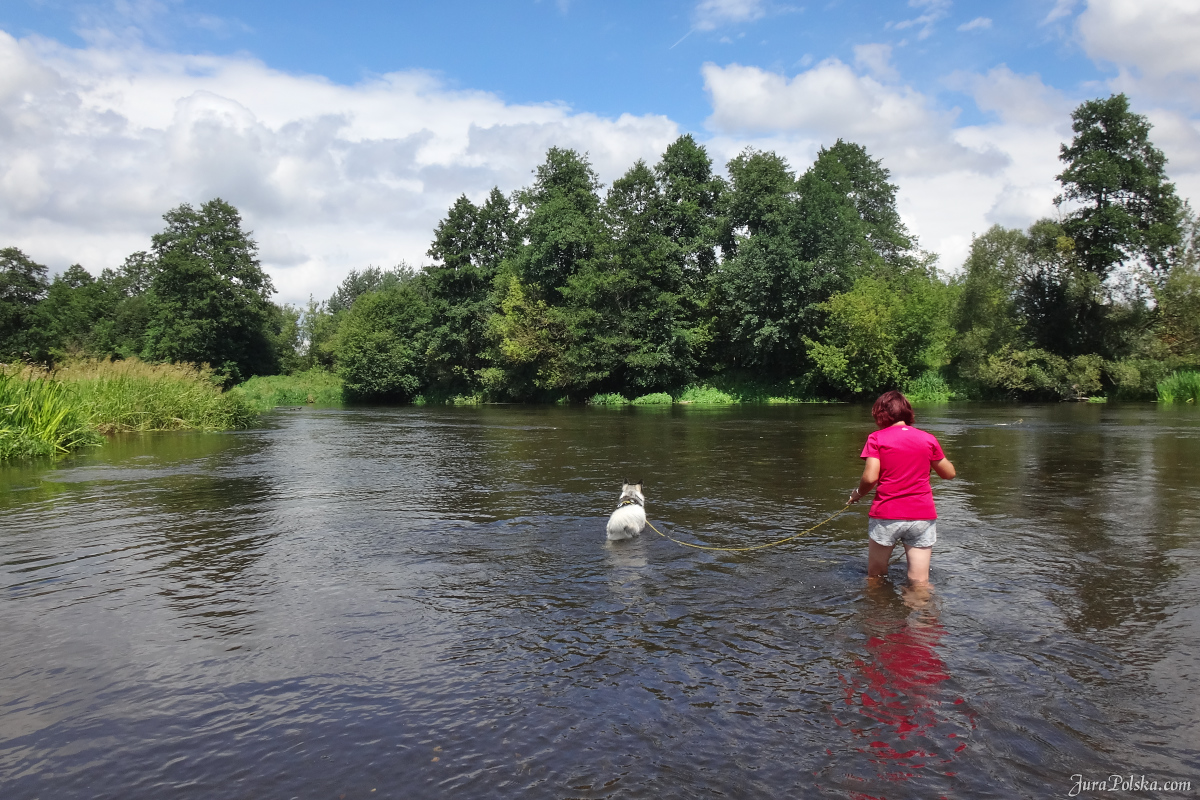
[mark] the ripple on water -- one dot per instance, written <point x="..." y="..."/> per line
<point x="421" y="602"/>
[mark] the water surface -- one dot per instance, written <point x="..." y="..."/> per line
<point x="419" y="603"/>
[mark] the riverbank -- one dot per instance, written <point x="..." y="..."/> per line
<point x="54" y="412"/>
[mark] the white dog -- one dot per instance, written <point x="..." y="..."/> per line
<point x="630" y="517"/>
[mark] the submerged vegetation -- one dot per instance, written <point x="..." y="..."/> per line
<point x="675" y="284"/>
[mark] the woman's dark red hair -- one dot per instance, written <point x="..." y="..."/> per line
<point x="890" y="408"/>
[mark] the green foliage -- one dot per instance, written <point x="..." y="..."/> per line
<point x="766" y="287"/>
<point x="1129" y="209"/>
<point x="209" y="296"/>
<point x="608" y="400"/>
<point x="655" y="399"/>
<point x="39" y="417"/>
<point x="380" y="343"/>
<point x="132" y="395"/>
<point x="928" y="387"/>
<point x="48" y="413"/>
<point x="705" y="396"/>
<point x="986" y="317"/>
<point x="796" y="244"/>
<point x="314" y="386"/>
<point x="1177" y="299"/>
<point x="1038" y="374"/>
<point x="879" y="334"/>
<point x="471" y="243"/>
<point x="1180" y="387"/>
<point x="23" y="333"/>
<point x="529" y="341"/>
<point x="562" y="225"/>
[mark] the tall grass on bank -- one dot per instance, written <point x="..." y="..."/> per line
<point x="132" y="395"/>
<point x="40" y="417"/>
<point x="313" y="387"/>
<point x="1180" y="387"/>
<point x="928" y="388"/>
<point x="705" y="396"/>
<point x="608" y="400"/>
<point x="655" y="399"/>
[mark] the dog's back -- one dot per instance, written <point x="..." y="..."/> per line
<point x="630" y="517"/>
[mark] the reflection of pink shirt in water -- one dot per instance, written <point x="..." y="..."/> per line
<point x="905" y="456"/>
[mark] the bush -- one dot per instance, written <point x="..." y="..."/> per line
<point x="1180" y="387"/>
<point x="313" y="387"/>
<point x="608" y="400"/>
<point x="656" y="399"/>
<point x="931" y="387"/>
<point x="705" y="396"/>
<point x="380" y="345"/>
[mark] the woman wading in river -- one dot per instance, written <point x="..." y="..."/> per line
<point x="898" y="459"/>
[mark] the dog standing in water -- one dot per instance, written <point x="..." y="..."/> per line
<point x="630" y="517"/>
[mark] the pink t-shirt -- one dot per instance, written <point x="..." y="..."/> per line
<point x="905" y="456"/>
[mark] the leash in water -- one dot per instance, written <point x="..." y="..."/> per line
<point x="835" y="514"/>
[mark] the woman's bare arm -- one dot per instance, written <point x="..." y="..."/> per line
<point x="870" y="477"/>
<point x="944" y="469"/>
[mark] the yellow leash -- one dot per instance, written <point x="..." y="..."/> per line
<point x="841" y="511"/>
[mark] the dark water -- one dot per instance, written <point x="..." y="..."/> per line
<point x="419" y="603"/>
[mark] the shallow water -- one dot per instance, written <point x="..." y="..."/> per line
<point x="419" y="603"/>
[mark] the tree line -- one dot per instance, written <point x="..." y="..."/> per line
<point x="803" y="285"/>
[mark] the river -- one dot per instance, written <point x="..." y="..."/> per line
<point x="420" y="603"/>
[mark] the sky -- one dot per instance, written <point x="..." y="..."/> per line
<point x="343" y="132"/>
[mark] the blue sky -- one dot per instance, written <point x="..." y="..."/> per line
<point x="343" y="131"/>
<point x="606" y="57"/>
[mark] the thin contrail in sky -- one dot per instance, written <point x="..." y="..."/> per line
<point x="689" y="33"/>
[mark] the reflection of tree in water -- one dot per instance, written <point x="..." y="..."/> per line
<point x="1103" y="513"/>
<point x="894" y="705"/>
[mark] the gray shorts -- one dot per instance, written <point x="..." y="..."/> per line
<point x="912" y="532"/>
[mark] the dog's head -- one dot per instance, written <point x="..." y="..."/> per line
<point x="633" y="491"/>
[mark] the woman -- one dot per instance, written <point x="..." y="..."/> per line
<point x="898" y="458"/>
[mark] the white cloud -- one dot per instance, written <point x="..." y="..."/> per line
<point x="1062" y="8"/>
<point x="712" y="14"/>
<point x="96" y="144"/>
<point x="953" y="180"/>
<point x="977" y="24"/>
<point x="1152" y="44"/>
<point x="935" y="10"/>
<point x="876" y="59"/>
<point x="831" y="101"/>
<point x="1022" y="99"/>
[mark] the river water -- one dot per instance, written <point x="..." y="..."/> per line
<point x="420" y="603"/>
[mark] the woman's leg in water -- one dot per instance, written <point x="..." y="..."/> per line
<point x="877" y="559"/>
<point x="918" y="563"/>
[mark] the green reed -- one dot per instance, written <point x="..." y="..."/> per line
<point x="928" y="388"/>
<point x="656" y="399"/>
<point x="40" y="417"/>
<point x="608" y="400"/>
<point x="314" y="387"/>
<point x="1180" y="387"/>
<point x="132" y="395"/>
<point x="705" y="396"/>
